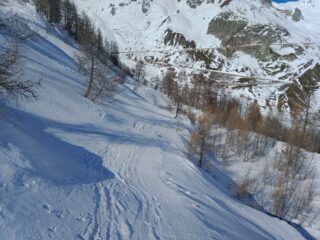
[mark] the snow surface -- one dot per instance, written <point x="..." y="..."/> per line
<point x="310" y="22"/>
<point x="72" y="169"/>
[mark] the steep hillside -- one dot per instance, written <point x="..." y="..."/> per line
<point x="246" y="38"/>
<point x="72" y="169"/>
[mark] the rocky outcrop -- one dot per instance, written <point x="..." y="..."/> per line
<point x="234" y="32"/>
<point x="196" y="3"/>
<point x="173" y="39"/>
<point x="145" y="6"/>
<point x="209" y="58"/>
<point x="224" y="26"/>
<point x="306" y="85"/>
<point x="297" y="15"/>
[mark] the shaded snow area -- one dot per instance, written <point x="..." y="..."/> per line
<point x="72" y="169"/>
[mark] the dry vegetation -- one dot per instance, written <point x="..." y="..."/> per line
<point x="13" y="84"/>
<point x="289" y="181"/>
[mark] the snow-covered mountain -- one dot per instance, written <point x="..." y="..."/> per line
<point x="72" y="169"/>
<point x="226" y="26"/>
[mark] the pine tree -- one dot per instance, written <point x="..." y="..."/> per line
<point x="55" y="11"/>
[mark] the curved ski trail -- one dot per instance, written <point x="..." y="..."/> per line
<point x="123" y="209"/>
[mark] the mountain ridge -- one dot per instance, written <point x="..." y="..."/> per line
<point x="259" y="23"/>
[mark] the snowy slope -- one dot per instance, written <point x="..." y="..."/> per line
<point x="310" y="21"/>
<point x="71" y="169"/>
<point x="142" y="26"/>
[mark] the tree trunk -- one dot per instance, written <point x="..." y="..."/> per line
<point x="201" y="151"/>
<point x="91" y="78"/>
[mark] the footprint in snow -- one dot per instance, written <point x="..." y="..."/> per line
<point x="59" y="214"/>
<point x="47" y="207"/>
<point x="83" y="218"/>
<point x="52" y="229"/>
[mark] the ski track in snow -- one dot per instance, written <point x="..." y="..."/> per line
<point x="111" y="219"/>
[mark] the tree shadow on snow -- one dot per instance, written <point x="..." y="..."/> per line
<point x="52" y="158"/>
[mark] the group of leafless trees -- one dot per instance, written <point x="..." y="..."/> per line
<point x="204" y="93"/>
<point x="78" y="25"/>
<point x="99" y="55"/>
<point x="13" y="84"/>
<point x="99" y="60"/>
<point x="234" y="130"/>
<point x="99" y="52"/>
<point x="139" y="74"/>
<point x="95" y="61"/>
<point x="293" y="186"/>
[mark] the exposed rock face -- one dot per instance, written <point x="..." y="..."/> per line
<point x="269" y="2"/>
<point x="225" y="27"/>
<point x="233" y="32"/>
<point x="307" y="84"/>
<point x="207" y="57"/>
<point x="196" y="3"/>
<point x="297" y="15"/>
<point x="173" y="39"/>
<point x="259" y="34"/>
